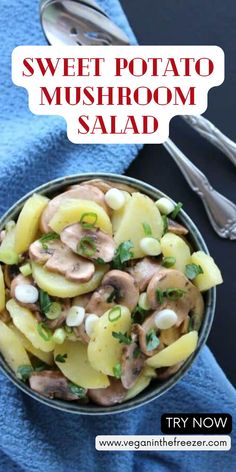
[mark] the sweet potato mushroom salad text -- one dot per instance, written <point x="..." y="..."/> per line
<point x="100" y="293"/>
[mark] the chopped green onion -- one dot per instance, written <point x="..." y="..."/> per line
<point x="59" y="336"/>
<point x="26" y="269"/>
<point x="86" y="247"/>
<point x="44" y="331"/>
<point x="123" y="255"/>
<point x="61" y="358"/>
<point x="173" y="293"/>
<point x="147" y="229"/>
<point x="152" y="340"/>
<point x="68" y="329"/>
<point x="193" y="270"/>
<point x="168" y="261"/>
<point x="80" y="392"/>
<point x="47" y="238"/>
<point x="122" y="337"/>
<point x="54" y="311"/>
<point x="165" y="224"/>
<point x="24" y="372"/>
<point x="176" y="211"/>
<point x="114" y="314"/>
<point x="85" y="224"/>
<point x="117" y="370"/>
<point x="99" y="260"/>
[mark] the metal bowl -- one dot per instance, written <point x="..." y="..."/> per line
<point x="155" y="389"/>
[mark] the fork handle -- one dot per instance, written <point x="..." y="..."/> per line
<point x="212" y="134"/>
<point x="220" y="210"/>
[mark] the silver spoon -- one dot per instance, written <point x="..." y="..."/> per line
<point x="83" y="22"/>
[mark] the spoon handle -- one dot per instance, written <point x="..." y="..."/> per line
<point x="212" y="134"/>
<point x="220" y="210"/>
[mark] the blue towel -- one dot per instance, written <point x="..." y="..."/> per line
<point x="33" y="437"/>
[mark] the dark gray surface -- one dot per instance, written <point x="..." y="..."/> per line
<point x="201" y="22"/>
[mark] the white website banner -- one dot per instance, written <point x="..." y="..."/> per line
<point x="163" y="443"/>
<point x="118" y="94"/>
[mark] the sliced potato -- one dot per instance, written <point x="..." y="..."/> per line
<point x="57" y="286"/>
<point x="72" y="210"/>
<point x="12" y="348"/>
<point x="25" y="321"/>
<point x="141" y="383"/>
<point x="77" y="367"/>
<point x="28" y="222"/>
<point x="117" y="215"/>
<point x="104" y="351"/>
<point x="211" y="273"/>
<point x="177" y="352"/>
<point x="8" y="254"/>
<point x="174" y="246"/>
<point x="46" y="357"/>
<point x="138" y="210"/>
<point x="2" y="291"/>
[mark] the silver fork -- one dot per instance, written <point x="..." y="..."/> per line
<point x="84" y="22"/>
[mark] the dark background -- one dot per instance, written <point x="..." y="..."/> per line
<point x="197" y="22"/>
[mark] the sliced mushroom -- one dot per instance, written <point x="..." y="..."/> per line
<point x="109" y="396"/>
<point x="57" y="257"/>
<point x="99" y="302"/>
<point x="21" y="280"/>
<point x="176" y="228"/>
<point x="143" y="271"/>
<point x="164" y="373"/>
<point x="125" y="290"/>
<point x="142" y="332"/>
<point x="83" y="192"/>
<point x="101" y="245"/>
<point x="191" y="300"/>
<point x="132" y="363"/>
<point x="51" y="384"/>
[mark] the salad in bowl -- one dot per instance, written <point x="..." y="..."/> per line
<point x="103" y="292"/>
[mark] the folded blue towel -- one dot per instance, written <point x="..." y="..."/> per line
<point x="33" y="437"/>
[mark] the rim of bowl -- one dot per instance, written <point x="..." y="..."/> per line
<point x="152" y="392"/>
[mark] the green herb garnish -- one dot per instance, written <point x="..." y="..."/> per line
<point x="122" y="337"/>
<point x="47" y="238"/>
<point x="50" y="309"/>
<point x="136" y="353"/>
<point x="139" y="315"/>
<point x="176" y="211"/>
<point x="90" y="216"/>
<point x="193" y="270"/>
<point x="61" y="358"/>
<point x="165" y="224"/>
<point x="44" y="331"/>
<point x="99" y="260"/>
<point x="117" y="371"/>
<point x="147" y="229"/>
<point x="152" y="340"/>
<point x="123" y="255"/>
<point x="24" y="372"/>
<point x="86" y="247"/>
<point x="114" y="314"/>
<point x="168" y="261"/>
<point x="80" y="392"/>
<point x="172" y="294"/>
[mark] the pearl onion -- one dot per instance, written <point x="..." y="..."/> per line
<point x="115" y="199"/>
<point x="143" y="301"/>
<point x="75" y="316"/>
<point x="165" y="319"/>
<point x="26" y="293"/>
<point x="90" y="323"/>
<point x="165" y="205"/>
<point x="150" y="246"/>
